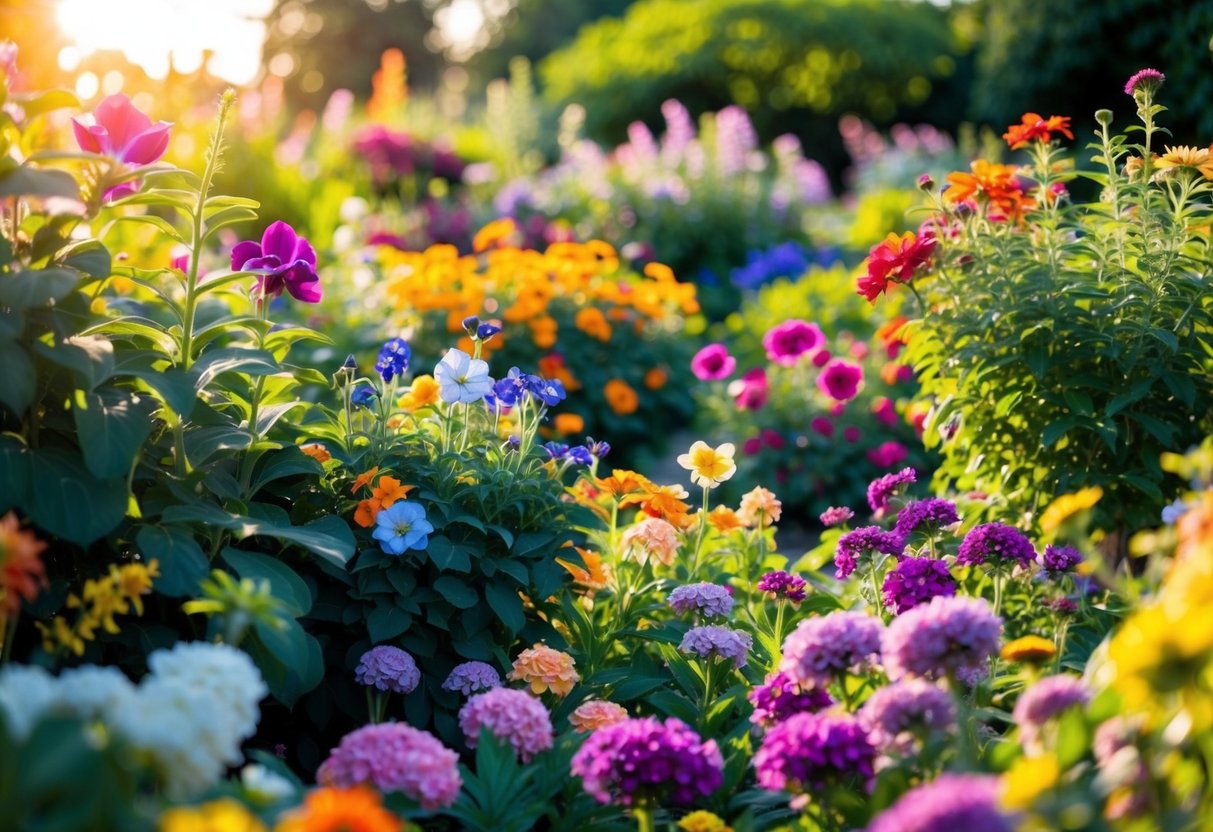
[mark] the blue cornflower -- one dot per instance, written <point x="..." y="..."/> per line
<point x="506" y="392"/>
<point x="486" y="331"/>
<point x="362" y="396"/>
<point x="550" y="392"/>
<point x="581" y="455"/>
<point x="393" y="359"/>
<point x="402" y="526"/>
<point x="556" y="450"/>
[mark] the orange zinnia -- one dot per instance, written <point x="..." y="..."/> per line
<point x="622" y="482"/>
<point x="568" y="423"/>
<point x="389" y="490"/>
<point x="998" y="185"/>
<point x="664" y="501"/>
<point x="656" y="378"/>
<point x="363" y="479"/>
<point x="21" y="568"/>
<point x="621" y="397"/>
<point x="724" y="519"/>
<point x="1033" y="127"/>
<point x="357" y="809"/>
<point x="317" y="452"/>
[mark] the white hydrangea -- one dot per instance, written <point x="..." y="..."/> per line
<point x="265" y="786"/>
<point x="225" y="674"/>
<point x="26" y="694"/>
<point x="92" y="692"/>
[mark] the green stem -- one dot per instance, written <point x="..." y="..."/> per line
<point x="876" y="588"/>
<point x="8" y="633"/>
<point x="702" y="533"/>
<point x="998" y="579"/>
<point x="644" y="819"/>
<point x="707" y="689"/>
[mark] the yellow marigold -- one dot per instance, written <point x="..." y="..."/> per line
<point x="659" y="272"/>
<point x="495" y="232"/>
<point x="724" y="519"/>
<point x="709" y="466"/>
<point x="593" y="323"/>
<point x="1067" y="505"/>
<point x="331" y="809"/>
<point x="568" y="423"/>
<point x="759" y="502"/>
<point x="544" y="668"/>
<point x="317" y="452"/>
<point x="134" y="580"/>
<point x="622" y="483"/>
<point x="1029" y="778"/>
<point x="223" y="815"/>
<point x="423" y="392"/>
<point x="656" y="378"/>
<point x="1029" y="649"/>
<point x="543" y="332"/>
<point x="593" y="714"/>
<point x="620" y="397"/>
<point x="703" y="821"/>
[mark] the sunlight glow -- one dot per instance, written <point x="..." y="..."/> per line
<point x="157" y="34"/>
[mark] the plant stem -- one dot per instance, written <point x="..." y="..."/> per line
<point x="998" y="579"/>
<point x="876" y="588"/>
<point x="8" y="632"/>
<point x="644" y="819"/>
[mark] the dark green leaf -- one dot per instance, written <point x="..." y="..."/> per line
<point x="183" y="564"/>
<point x="89" y="357"/>
<point x="88" y="256"/>
<point x="386" y="621"/>
<point x="506" y="604"/>
<point x="113" y="424"/>
<point x="34" y="288"/>
<point x="447" y="555"/>
<point x="28" y="181"/>
<point x="18" y="380"/>
<point x="287" y="462"/>
<point x="458" y="593"/>
<point x="284" y="582"/>
<point x="66" y="500"/>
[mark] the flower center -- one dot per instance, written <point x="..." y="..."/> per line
<point x="403" y="528"/>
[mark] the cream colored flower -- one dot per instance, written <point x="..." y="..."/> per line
<point x="709" y="466"/>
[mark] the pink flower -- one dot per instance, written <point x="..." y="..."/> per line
<point x="751" y="390"/>
<point x="713" y="363"/>
<point x="773" y="439"/>
<point x="840" y="380"/>
<point x="8" y="60"/>
<point x="286" y="260"/>
<point x="652" y="537"/>
<point x="851" y="434"/>
<point x="885" y="411"/>
<point x="394" y="757"/>
<point x="512" y="716"/>
<point x="752" y="446"/>
<point x="822" y="426"/>
<point x="888" y="454"/>
<point x="125" y="134"/>
<point x="821" y="358"/>
<point x="788" y="341"/>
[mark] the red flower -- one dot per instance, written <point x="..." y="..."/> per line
<point x="1033" y="127"/>
<point x="894" y="261"/>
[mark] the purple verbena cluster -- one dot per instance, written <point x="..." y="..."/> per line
<point x="899" y="715"/>
<point x="825" y="647"/>
<point x="709" y="600"/>
<point x="782" y="585"/>
<point x="949" y="635"/>
<point x="881" y="489"/>
<point x="809" y="751"/>
<point x="387" y="668"/>
<point x="861" y="543"/>
<point x="779" y="697"/>
<point x="718" y="642"/>
<point x="996" y="544"/>
<point x="968" y="802"/>
<point x="915" y="581"/>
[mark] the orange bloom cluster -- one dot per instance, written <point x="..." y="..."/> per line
<point x="1033" y="127"/>
<point x="621" y="397"/>
<point x="594" y="575"/>
<point x="544" y="669"/>
<point x="383" y="495"/>
<point x="331" y="809"/>
<point x="389" y="87"/>
<point x="995" y="185"/>
<point x="21" y="569"/>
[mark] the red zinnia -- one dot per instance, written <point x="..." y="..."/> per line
<point x="1033" y="127"/>
<point x="894" y="261"/>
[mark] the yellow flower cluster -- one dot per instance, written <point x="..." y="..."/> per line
<point x="117" y="593"/>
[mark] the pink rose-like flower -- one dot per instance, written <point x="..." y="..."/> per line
<point x="651" y="537"/>
<point x="750" y="392"/>
<point x="752" y="446"/>
<point x="713" y="363"/>
<point x="287" y="261"/>
<point x="122" y="132"/>
<point x="788" y="341"/>
<point x="840" y="380"/>
<point x="887" y="454"/>
<point x="822" y="426"/>
<point x="394" y="757"/>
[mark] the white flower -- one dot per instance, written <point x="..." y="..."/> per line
<point x="92" y="692"/>
<point x="709" y="466"/>
<point x="265" y="786"/>
<point x="462" y="379"/>
<point x="26" y="694"/>
<point x="225" y="674"/>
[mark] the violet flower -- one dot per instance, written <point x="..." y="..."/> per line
<point x="284" y="260"/>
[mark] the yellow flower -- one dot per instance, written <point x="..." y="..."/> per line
<point x="544" y="668"/>
<point x="709" y="466"/>
<point x="593" y="714"/>
<point x="134" y="580"/>
<point x="1027" y="779"/>
<point x="724" y="519"/>
<point x="1067" y="505"/>
<point x="424" y="392"/>
<point x="1029" y="649"/>
<point x="1193" y="158"/>
<point x="703" y="821"/>
<point x="495" y="232"/>
<point x="224" y="815"/>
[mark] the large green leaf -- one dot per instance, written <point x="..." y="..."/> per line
<point x="68" y="501"/>
<point x="448" y="555"/>
<point x="33" y="288"/>
<point x="202" y="443"/>
<point x="287" y="462"/>
<point x="232" y="359"/>
<point x="505" y="602"/>
<point x="14" y="473"/>
<point x="329" y="537"/>
<point x="183" y="564"/>
<point x="18" y="381"/>
<point x="458" y="593"/>
<point x="286" y="585"/>
<point x="112" y="424"/>
<point x="88" y="256"/>
<point x="386" y="621"/>
<point x="89" y="357"/>
<point x="28" y="181"/>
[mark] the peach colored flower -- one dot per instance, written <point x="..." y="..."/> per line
<point x="652" y="537"/>
<point x="596" y="713"/>
<point x="317" y="452"/>
<point x="544" y="668"/>
<point x="724" y="519"/>
<point x="760" y="500"/>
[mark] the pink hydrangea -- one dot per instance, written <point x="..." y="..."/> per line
<point x="394" y="757"/>
<point x="512" y="716"/>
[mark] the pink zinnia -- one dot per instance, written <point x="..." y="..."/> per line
<point x="788" y="341"/>
<point x="887" y="454"/>
<point x="125" y="134"/>
<point x="713" y="363"/>
<point x="394" y="757"/>
<point x="840" y="380"/>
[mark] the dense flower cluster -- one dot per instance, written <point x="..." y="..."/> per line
<point x="713" y="642"/>
<point x="512" y="716"/>
<point x="394" y="757"/>
<point x="472" y="677"/>
<point x="901" y="715"/>
<point x="927" y="516"/>
<point x="1057" y="560"/>
<point x="1045" y="700"/>
<point x="881" y="489"/>
<point x="952" y="801"/>
<point x="861" y="543"/>
<point x="996" y="544"/>
<point x="709" y="600"/>
<point x="647" y="759"/>
<point x="596" y="713"/>
<point x="780" y="584"/>
<point x="825" y="647"/>
<point x="835" y="516"/>
<point x="387" y="668"/>
<point x="808" y="751"/>
<point x="779" y="697"/>
<point x="915" y="581"/>
<point x="946" y="636"/>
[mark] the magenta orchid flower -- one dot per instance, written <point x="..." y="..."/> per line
<point x="123" y="133"/>
<point x="287" y="260"/>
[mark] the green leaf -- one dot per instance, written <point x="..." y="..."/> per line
<point x="456" y="592"/>
<point x="35" y="288"/>
<point x="89" y="357"/>
<point x="28" y="181"/>
<point x="386" y="621"/>
<point x="232" y="359"/>
<point x="287" y="462"/>
<point x="68" y="501"/>
<point x="447" y="555"/>
<point x="506" y="604"/>
<point x="183" y="564"/>
<point x="113" y="424"/>
<point x="45" y="102"/>
<point x="299" y="659"/>
<point x="159" y="223"/>
<point x="14" y="473"/>
<point x="20" y="380"/>
<point x="1079" y="403"/>
<point x="329" y="537"/>
<point x="203" y="443"/>
<point x="284" y="582"/>
<point x="88" y="256"/>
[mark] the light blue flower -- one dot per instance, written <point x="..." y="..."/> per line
<point x="402" y="526"/>
<point x="461" y="378"/>
<point x="1171" y="513"/>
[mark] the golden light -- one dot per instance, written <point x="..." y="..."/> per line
<point x="159" y="34"/>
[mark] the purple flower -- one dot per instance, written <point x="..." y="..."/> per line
<point x="809" y="751"/>
<point x="785" y="343"/>
<point x="393" y="359"/>
<point x="825" y="647"/>
<point x="883" y="488"/>
<point x="915" y="581"/>
<point x="927" y="516"/>
<point x="395" y="758"/>
<point x="123" y="133"/>
<point x="580" y="455"/>
<point x="861" y="543"/>
<point x="718" y="642"/>
<point x="840" y="380"/>
<point x="835" y="516"/>
<point x="951" y="802"/>
<point x="645" y="759"/>
<point x="947" y="635"/>
<point x="709" y="600"/>
<point x="713" y="363"/>
<point x="387" y="668"/>
<point x="472" y="677"/>
<point x="1045" y="700"/>
<point x="1060" y="559"/>
<point x="512" y="716"/>
<point x="996" y="544"/>
<point x="779" y="697"/>
<point x="287" y="261"/>
<point x="899" y="717"/>
<point x="782" y="585"/>
<point x="1146" y="80"/>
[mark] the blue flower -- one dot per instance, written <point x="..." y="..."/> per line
<point x="598" y="449"/>
<point x="556" y="450"/>
<point x="486" y="331"/>
<point x="363" y="396"/>
<point x="402" y="526"/>
<point x="581" y="455"/>
<point x="550" y="392"/>
<point x="393" y="359"/>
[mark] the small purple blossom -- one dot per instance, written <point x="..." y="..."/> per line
<point x="709" y="600"/>
<point x="394" y="757"/>
<point x="387" y="668"/>
<point x="645" y="759"/>
<point x="782" y="585"/>
<point x="1045" y="700"/>
<point x="1145" y="80"/>
<point x="835" y="516"/>
<point x="1057" y="560"/>
<point x="861" y="543"/>
<point x="472" y="677"/>
<point x="809" y="751"/>
<point x="900" y="716"/>
<point x="284" y="260"/>
<point x="925" y="515"/>
<point x="512" y="716"/>
<point x="947" y="635"/>
<point x="996" y="544"/>
<point x="826" y="647"/>
<point x="779" y="697"/>
<point x="950" y="802"/>
<point x="718" y="642"/>
<point x="915" y="581"/>
<point x="881" y="489"/>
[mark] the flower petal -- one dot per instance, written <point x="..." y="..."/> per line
<point x="122" y="121"/>
<point x="148" y="146"/>
<point x="280" y="239"/>
<point x="243" y="252"/>
<point x="90" y="138"/>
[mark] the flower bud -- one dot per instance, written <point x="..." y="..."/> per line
<point x="925" y="182"/>
<point x="486" y="331"/>
<point x="1104" y="117"/>
<point x="470" y="324"/>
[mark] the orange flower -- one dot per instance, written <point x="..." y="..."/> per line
<point x="543" y="332"/>
<point x="366" y="513"/>
<point x="594" y="575"/>
<point x="567" y="423"/>
<point x="331" y="809"/>
<point x="593" y="323"/>
<point x="495" y="232"/>
<point x="621" y="397"/>
<point x="891" y="332"/>
<point x="664" y="501"/>
<point x="659" y="272"/>
<point x="724" y="519"/>
<point x="363" y="479"/>
<point x="997" y="184"/>
<point x="389" y="490"/>
<point x="593" y="714"/>
<point x="651" y="537"/>
<point x="544" y="668"/>
<point x="622" y="482"/>
<point x="1191" y="158"/>
<point x="656" y="378"/>
<point x="423" y="392"/>
<point x="21" y="569"/>
<point x="317" y="452"/>
<point x="1032" y="127"/>
<point x="760" y="501"/>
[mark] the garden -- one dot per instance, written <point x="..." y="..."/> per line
<point x="680" y="415"/>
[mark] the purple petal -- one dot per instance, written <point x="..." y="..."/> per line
<point x="91" y="139"/>
<point x="280" y="239"/>
<point x="304" y="284"/>
<point x="119" y="191"/>
<point x="123" y="122"/>
<point x="269" y="286"/>
<point x="148" y="146"/>
<point x="305" y="253"/>
<point x="243" y="252"/>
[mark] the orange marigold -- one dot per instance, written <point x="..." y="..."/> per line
<point x="332" y="809"/>
<point x="997" y="184"/>
<point x="593" y="714"/>
<point x="495" y="232"/>
<point x="1033" y="127"/>
<point x="423" y="392"/>
<point x="543" y="332"/>
<point x="21" y="569"/>
<point x="622" y="482"/>
<point x="544" y="668"/>
<point x="567" y="423"/>
<point x="620" y="397"/>
<point x="317" y="452"/>
<point x="593" y="323"/>
<point x="389" y="490"/>
<point x="724" y="519"/>
<point x="656" y="378"/>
